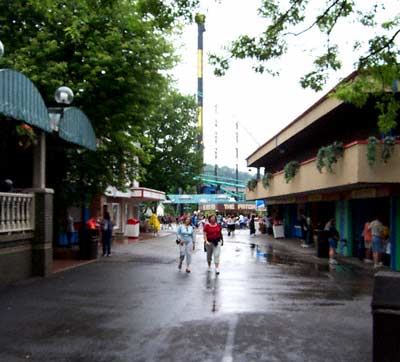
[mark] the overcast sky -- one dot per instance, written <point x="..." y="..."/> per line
<point x="262" y="104"/>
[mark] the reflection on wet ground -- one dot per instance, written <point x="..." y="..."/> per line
<point x="258" y="275"/>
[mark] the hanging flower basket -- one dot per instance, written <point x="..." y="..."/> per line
<point x="290" y="170"/>
<point x="26" y="136"/>
<point x="327" y="156"/>
<point x="252" y="184"/>
<point x="266" y="179"/>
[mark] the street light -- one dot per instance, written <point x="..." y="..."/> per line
<point x="64" y="97"/>
<point x="1" y="49"/>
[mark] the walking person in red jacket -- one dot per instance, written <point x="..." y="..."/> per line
<point x="213" y="240"/>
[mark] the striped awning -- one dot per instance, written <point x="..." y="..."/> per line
<point x="76" y="128"/>
<point x="20" y="100"/>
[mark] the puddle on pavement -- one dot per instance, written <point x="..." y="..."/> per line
<point x="267" y="255"/>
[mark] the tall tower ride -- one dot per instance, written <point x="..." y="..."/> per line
<point x="200" y="20"/>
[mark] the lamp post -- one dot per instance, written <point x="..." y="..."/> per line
<point x="63" y="96"/>
<point x="1" y="49"/>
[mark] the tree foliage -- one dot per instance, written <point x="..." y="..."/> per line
<point x="377" y="65"/>
<point x="173" y="144"/>
<point x="115" y="55"/>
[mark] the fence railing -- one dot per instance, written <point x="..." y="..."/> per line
<point x="16" y="212"/>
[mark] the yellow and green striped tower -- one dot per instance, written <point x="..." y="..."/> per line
<point x="200" y="20"/>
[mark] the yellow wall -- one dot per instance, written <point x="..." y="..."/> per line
<point x="353" y="168"/>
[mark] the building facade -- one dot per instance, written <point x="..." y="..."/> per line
<point x="332" y="162"/>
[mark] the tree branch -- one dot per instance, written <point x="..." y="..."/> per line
<point x="376" y="51"/>
<point x="326" y="12"/>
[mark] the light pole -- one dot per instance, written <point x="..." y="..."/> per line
<point x="1" y="49"/>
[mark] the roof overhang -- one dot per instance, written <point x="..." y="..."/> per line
<point x="20" y="100"/>
<point x="137" y="193"/>
<point x="318" y="110"/>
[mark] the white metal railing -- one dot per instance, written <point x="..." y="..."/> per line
<point x="16" y="212"/>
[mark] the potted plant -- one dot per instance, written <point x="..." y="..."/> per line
<point x="290" y="170"/>
<point x="266" y="179"/>
<point x="371" y="150"/>
<point x="329" y="155"/>
<point x="26" y="136"/>
<point x="252" y="184"/>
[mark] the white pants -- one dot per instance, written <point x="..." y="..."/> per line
<point x="213" y="250"/>
<point x="186" y="250"/>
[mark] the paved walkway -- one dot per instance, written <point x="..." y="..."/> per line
<point x="286" y="246"/>
<point x="272" y="302"/>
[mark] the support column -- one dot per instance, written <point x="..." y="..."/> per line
<point x="39" y="162"/>
<point x="344" y="225"/>
<point x="42" y="245"/>
<point x="395" y="233"/>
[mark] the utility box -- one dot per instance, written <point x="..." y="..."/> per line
<point x="386" y="317"/>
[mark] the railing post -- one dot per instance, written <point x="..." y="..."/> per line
<point x="42" y="253"/>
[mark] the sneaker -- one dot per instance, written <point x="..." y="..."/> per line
<point x="209" y="269"/>
<point x="380" y="264"/>
<point x="109" y="254"/>
<point x="333" y="261"/>
<point x="369" y="261"/>
<point x="180" y="266"/>
<point x="217" y="271"/>
<point x="104" y="254"/>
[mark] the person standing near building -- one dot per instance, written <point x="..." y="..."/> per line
<point x="333" y="238"/>
<point x="376" y="228"/>
<point x="367" y="243"/>
<point x="186" y="236"/>
<point x="214" y="240"/>
<point x="252" y="226"/>
<point x="106" y="233"/>
<point x="70" y="229"/>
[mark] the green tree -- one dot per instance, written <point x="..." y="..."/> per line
<point x="173" y="144"/>
<point x="377" y="65"/>
<point x="115" y="55"/>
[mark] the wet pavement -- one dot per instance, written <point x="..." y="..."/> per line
<point x="270" y="303"/>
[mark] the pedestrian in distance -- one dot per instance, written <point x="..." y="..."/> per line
<point x="106" y="233"/>
<point x="231" y="225"/>
<point x="376" y="228"/>
<point x="367" y="243"/>
<point x="185" y="237"/>
<point x="155" y="223"/>
<point x="213" y="240"/>
<point x="252" y="226"/>
<point x="70" y="229"/>
<point x="333" y="238"/>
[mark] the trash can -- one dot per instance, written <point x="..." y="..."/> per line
<point x="88" y="244"/>
<point x="132" y="228"/>
<point x="386" y="317"/>
<point x="322" y="243"/>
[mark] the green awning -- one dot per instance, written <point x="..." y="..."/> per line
<point x="20" y="100"/>
<point x="76" y="128"/>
